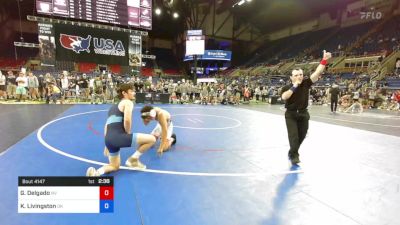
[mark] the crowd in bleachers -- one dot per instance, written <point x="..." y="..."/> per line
<point x="101" y="88"/>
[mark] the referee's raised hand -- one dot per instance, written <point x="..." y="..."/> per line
<point x="326" y="55"/>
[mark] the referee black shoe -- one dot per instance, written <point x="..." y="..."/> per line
<point x="295" y="160"/>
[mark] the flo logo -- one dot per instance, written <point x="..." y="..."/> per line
<point x="75" y="43"/>
<point x="371" y="15"/>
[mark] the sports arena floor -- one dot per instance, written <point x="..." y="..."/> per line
<point x="229" y="166"/>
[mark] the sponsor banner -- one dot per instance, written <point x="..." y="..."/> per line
<point x="207" y="80"/>
<point x="195" y="32"/>
<point x="47" y="44"/>
<point x="135" y="50"/>
<point x="86" y="44"/>
<point x="212" y="55"/>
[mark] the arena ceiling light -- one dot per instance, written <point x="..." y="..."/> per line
<point x="241" y="2"/>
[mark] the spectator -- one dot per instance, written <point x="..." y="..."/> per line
<point x="33" y="85"/>
<point x="334" y="92"/>
<point x="3" y="87"/>
<point x="11" y="85"/>
<point x="21" y="88"/>
<point x="54" y="93"/>
<point x="397" y="66"/>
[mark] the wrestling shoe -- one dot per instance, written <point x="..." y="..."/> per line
<point x="135" y="164"/>
<point x="92" y="172"/>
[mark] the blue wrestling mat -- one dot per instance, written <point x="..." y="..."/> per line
<point x="229" y="166"/>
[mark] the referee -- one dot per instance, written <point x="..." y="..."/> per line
<point x="296" y="96"/>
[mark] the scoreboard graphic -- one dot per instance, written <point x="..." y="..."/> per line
<point x="135" y="13"/>
<point x="65" y="195"/>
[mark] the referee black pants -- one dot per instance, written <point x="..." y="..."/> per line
<point x="334" y="102"/>
<point x="297" y="127"/>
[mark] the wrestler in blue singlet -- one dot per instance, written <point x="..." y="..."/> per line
<point x="116" y="136"/>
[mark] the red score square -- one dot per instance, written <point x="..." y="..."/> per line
<point x="106" y="193"/>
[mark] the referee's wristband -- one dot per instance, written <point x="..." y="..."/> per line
<point x="293" y="88"/>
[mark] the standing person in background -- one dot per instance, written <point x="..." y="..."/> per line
<point x="397" y="71"/>
<point x="41" y="91"/>
<point x="11" y="85"/>
<point x="65" y="86"/>
<point x="296" y="96"/>
<point x="33" y="85"/>
<point x="396" y="99"/>
<point x="98" y="91"/>
<point x="257" y="93"/>
<point x="83" y="86"/>
<point x="21" y="91"/>
<point x="246" y="93"/>
<point x="91" y="87"/>
<point x="48" y="79"/>
<point x="110" y="88"/>
<point x="3" y="87"/>
<point x="334" y="92"/>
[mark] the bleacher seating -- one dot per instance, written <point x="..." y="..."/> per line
<point x="386" y="38"/>
<point x="348" y="76"/>
<point x="311" y="39"/>
<point x="266" y="52"/>
<point x="171" y="72"/>
<point x="293" y="46"/>
<point x="165" y="58"/>
<point x="147" y="71"/>
<point x="393" y="82"/>
<point x="12" y="64"/>
<point x="347" y="36"/>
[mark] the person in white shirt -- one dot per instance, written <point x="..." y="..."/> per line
<point x="3" y="88"/>
<point x="91" y="86"/>
<point x="65" y="84"/>
<point x="22" y="83"/>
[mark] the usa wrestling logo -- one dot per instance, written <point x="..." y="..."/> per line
<point x="75" y="43"/>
